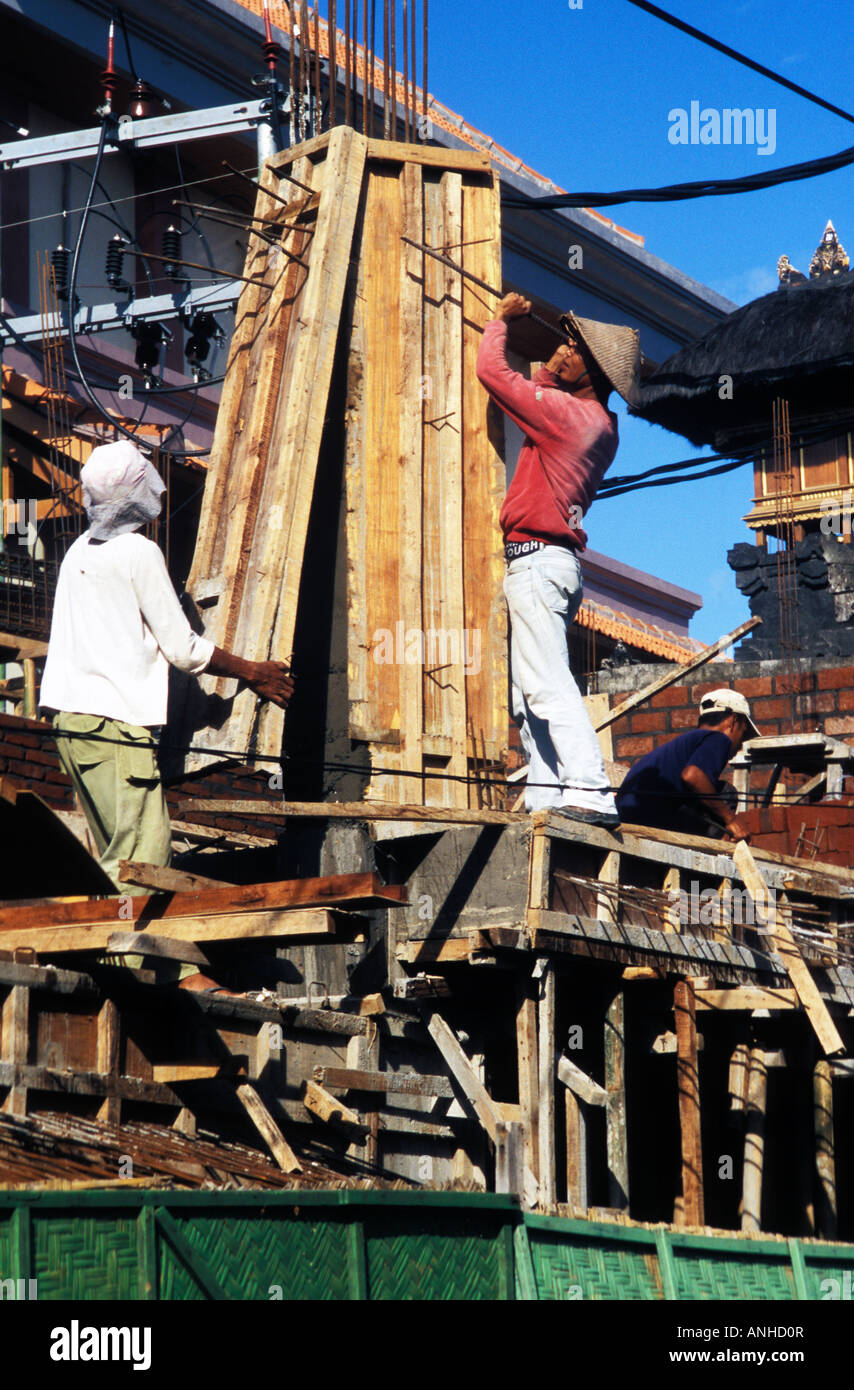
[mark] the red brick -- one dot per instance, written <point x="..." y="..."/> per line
<point x="22" y="740"/>
<point x="771" y="709"/>
<point x="633" y="747"/>
<point x="798" y="681"/>
<point x="674" y="695"/>
<point x="649" y="722"/>
<point x="37" y="756"/>
<point x="14" y="721"/>
<point x="835" y="727"/>
<point x="681" y="719"/>
<point x="835" y="678"/>
<point x="846" y="699"/>
<point x="22" y="769"/>
<point x="757" y="685"/>
<point x="825" y="702"/>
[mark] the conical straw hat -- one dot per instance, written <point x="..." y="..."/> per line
<point x="614" y="348"/>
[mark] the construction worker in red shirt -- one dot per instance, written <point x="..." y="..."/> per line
<point x="570" y="441"/>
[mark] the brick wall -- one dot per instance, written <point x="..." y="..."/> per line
<point x="819" y="699"/>
<point x="28" y="758"/>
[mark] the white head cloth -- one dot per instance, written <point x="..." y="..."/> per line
<point x="122" y="490"/>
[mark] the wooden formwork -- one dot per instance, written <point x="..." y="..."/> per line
<point x="543" y="1018"/>
<point x="422" y="468"/>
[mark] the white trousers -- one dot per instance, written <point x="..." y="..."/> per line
<point x="543" y="592"/>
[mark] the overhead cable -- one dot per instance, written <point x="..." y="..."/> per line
<point x="682" y="192"/>
<point x="740" y="58"/>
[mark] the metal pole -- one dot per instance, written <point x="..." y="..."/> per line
<point x="333" y="60"/>
<point x="424" y="92"/>
<point x="347" y="112"/>
<point x="490" y="289"/>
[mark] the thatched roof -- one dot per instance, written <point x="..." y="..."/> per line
<point x="797" y="342"/>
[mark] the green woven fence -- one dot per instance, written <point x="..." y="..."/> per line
<point x="378" y="1245"/>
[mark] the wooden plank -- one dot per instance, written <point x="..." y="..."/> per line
<point x="527" y="1063"/>
<point x="108" y="1058"/>
<point x="688" y="1083"/>
<point x="434" y="952"/>
<point x="606" y="903"/>
<point x="412" y="407"/>
<point x="825" y="1152"/>
<point x="174" y="1073"/>
<point x="739" y="1065"/>
<point x="15" y="1030"/>
<point x="672" y="886"/>
<point x="754" y="1142"/>
<point x="392" y="1083"/>
<point x="422" y="986"/>
<point x="678" y="673"/>
<point x="463" y="1072"/>
<point x="78" y="1083"/>
<point x="276" y="429"/>
<point x="268" y="1129"/>
<point x="580" y="1083"/>
<point x="332" y="1111"/>
<point x="442" y="577"/>
<point x="510" y="1159"/>
<point x="538" y="873"/>
<point x="298" y="428"/>
<point x="746" y="998"/>
<point x="577" y="1191"/>
<point x="164" y="880"/>
<point x="546" y="1028"/>
<point x="142" y="943"/>
<point x="82" y="936"/>
<point x="189" y="1255"/>
<point x="484" y="476"/>
<point x="615" y="1108"/>
<point x="774" y="923"/>
<point x="376" y="394"/>
<point x="357" y="810"/>
<point x="463" y="160"/>
<point x="341" y="890"/>
<point x="219" y="839"/>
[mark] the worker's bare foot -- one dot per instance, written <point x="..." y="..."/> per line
<point x="203" y="984"/>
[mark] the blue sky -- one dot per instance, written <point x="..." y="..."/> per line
<point x="583" y="96"/>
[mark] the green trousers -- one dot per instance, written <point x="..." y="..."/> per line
<point x="118" y="783"/>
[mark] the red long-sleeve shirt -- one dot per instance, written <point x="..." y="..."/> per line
<point x="569" y="445"/>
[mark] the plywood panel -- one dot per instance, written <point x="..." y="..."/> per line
<point x="255" y="511"/>
<point x="423" y="474"/>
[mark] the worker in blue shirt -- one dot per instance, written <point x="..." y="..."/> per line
<point x="678" y="786"/>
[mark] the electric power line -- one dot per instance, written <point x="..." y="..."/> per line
<point x="128" y="198"/>
<point x="710" y="42"/>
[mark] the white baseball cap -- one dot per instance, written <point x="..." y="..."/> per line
<point x="728" y="701"/>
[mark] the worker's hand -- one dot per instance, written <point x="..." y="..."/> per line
<point x="736" y="831"/>
<point x="271" y="680"/>
<point x="513" y="306"/>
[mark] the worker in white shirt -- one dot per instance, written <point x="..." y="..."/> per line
<point x="117" y="626"/>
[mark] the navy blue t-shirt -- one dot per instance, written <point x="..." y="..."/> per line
<point x="653" y="790"/>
